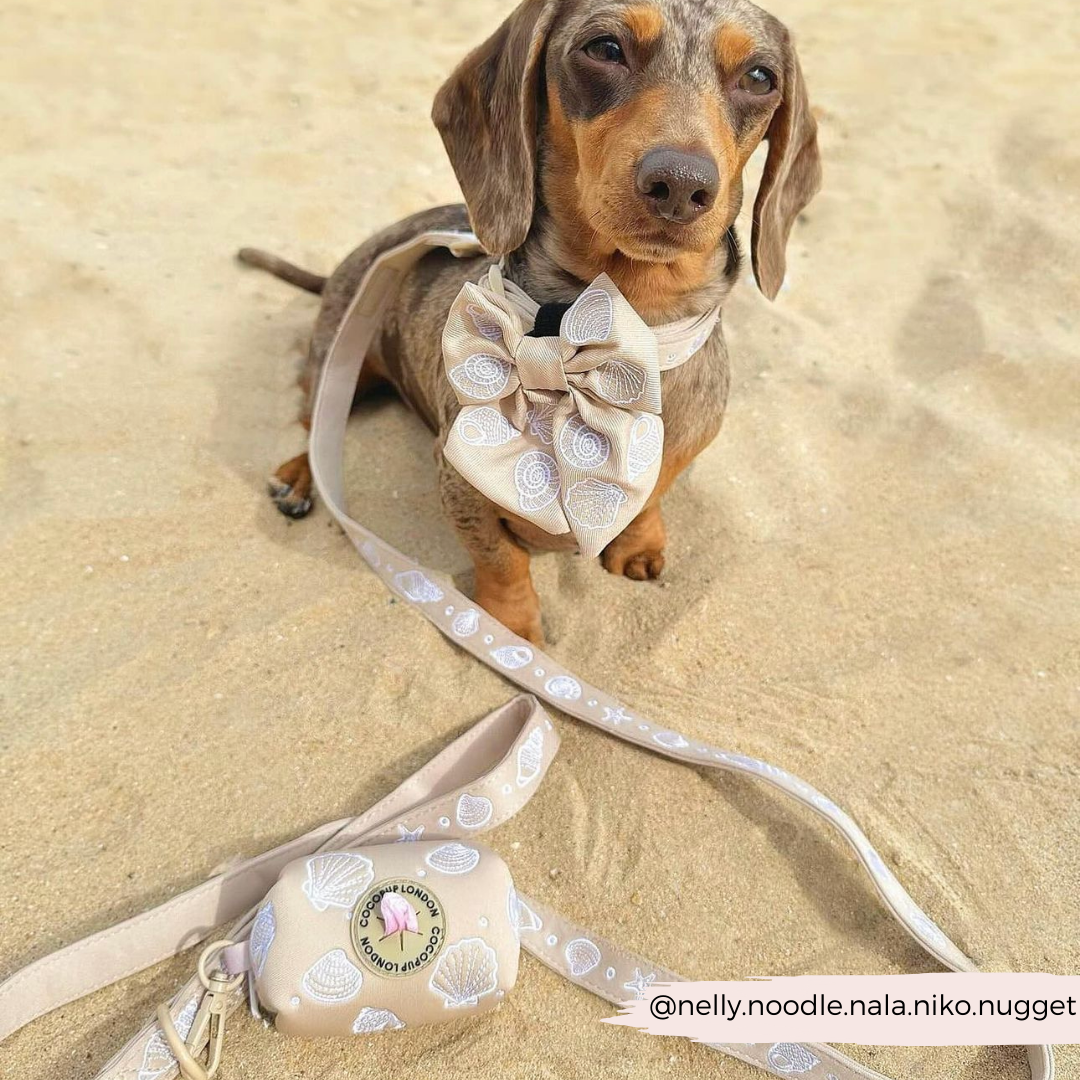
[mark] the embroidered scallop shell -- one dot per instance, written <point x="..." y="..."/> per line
<point x="583" y="446"/>
<point x="540" y="419"/>
<point x="536" y="477"/>
<point x="530" y="757"/>
<point x="563" y="686"/>
<point x="619" y="382"/>
<point x="512" y="657"/>
<point x="581" y="956"/>
<point x="416" y="586"/>
<point x="485" y="426"/>
<point x="791" y="1058"/>
<point x="474" y="811"/>
<point x="369" y="1021"/>
<point x="646" y="442"/>
<point x="262" y="937"/>
<point x="485" y="323"/>
<point x="589" y="319"/>
<point x="594" y="504"/>
<point x="158" y="1058"/>
<point x="522" y="917"/>
<point x="481" y="376"/>
<point x="671" y="739"/>
<point x="466" y="971"/>
<point x="453" y="859"/>
<point x="333" y="978"/>
<point x="466" y="623"/>
<point x="337" y="879"/>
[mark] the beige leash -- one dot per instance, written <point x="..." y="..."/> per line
<point x="476" y="756"/>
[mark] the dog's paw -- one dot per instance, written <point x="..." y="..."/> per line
<point x="523" y="618"/>
<point x="290" y="487"/>
<point x="639" y="565"/>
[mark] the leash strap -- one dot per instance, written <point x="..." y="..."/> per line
<point x="482" y="760"/>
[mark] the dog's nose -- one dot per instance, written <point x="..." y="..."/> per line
<point x="677" y="185"/>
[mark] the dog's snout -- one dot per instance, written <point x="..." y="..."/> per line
<point x="678" y="185"/>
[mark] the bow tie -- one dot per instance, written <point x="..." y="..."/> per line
<point x="562" y="431"/>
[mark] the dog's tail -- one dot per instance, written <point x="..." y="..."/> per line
<point x="294" y="275"/>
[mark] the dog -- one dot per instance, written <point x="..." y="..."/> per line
<point x="588" y="136"/>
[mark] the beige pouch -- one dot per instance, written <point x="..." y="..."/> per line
<point x="385" y="937"/>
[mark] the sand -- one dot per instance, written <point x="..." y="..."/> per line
<point x="872" y="574"/>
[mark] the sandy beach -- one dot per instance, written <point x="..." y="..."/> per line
<point x="872" y="576"/>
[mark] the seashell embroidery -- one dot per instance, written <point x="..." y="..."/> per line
<point x="583" y="446"/>
<point x="369" y="1021"/>
<point x="619" y="382"/>
<point x="671" y="739"/>
<point x="581" y="956"/>
<point x="333" y="978"/>
<point x="536" y="477"/>
<point x="485" y="323"/>
<point x="540" y="419"/>
<point x="563" y="686"/>
<point x="530" y="757"/>
<point x="262" y="937"/>
<point x="453" y="859"/>
<point x="466" y="623"/>
<point x="466" y="971"/>
<point x="522" y="917"/>
<point x="929" y="929"/>
<point x="474" y="811"/>
<point x="416" y="586"/>
<point x="791" y="1058"/>
<point x="646" y="442"/>
<point x="512" y="657"/>
<point x="589" y="319"/>
<point x="484" y="426"/>
<point x="337" y="879"/>
<point x="158" y="1057"/>
<point x="481" y="376"/>
<point x="594" y="504"/>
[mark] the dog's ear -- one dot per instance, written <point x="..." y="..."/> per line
<point x="486" y="115"/>
<point x="792" y="174"/>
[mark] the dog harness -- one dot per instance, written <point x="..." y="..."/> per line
<point x="474" y="784"/>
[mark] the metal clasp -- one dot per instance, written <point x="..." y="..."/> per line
<point x="208" y="1027"/>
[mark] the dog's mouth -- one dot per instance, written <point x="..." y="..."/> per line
<point x="651" y="241"/>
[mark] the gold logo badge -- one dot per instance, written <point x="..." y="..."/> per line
<point x="398" y="927"/>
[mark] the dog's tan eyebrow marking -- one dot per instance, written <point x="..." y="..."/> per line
<point x="734" y="47"/>
<point x="645" y="22"/>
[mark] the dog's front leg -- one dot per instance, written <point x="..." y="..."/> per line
<point x="638" y="551"/>
<point x="504" y="586"/>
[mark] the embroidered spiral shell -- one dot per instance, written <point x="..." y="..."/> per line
<point x="512" y="657"/>
<point x="594" y="504"/>
<point x="466" y="971"/>
<point x="522" y="917"/>
<point x="619" y="382"/>
<point x="530" y="757"/>
<point x="417" y="586"/>
<point x="453" y="859"/>
<point x="369" y="1021"/>
<point x="563" y="686"/>
<point x="466" y="623"/>
<point x="337" y="879"/>
<point x="262" y="937"/>
<point x="583" y="446"/>
<point x="485" y="426"/>
<point x="485" y="323"/>
<point x="791" y="1058"/>
<point x="474" y="811"/>
<point x="581" y="956"/>
<point x="671" y="739"/>
<point x="589" y="319"/>
<point x="333" y="978"/>
<point x="540" y="419"/>
<point x="481" y="376"/>
<point x="646" y="443"/>
<point x="536" y="477"/>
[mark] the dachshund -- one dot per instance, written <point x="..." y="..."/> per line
<point x="588" y="136"/>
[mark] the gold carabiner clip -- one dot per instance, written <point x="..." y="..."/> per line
<point x="209" y="1024"/>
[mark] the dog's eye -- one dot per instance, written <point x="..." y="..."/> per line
<point x="606" y="50"/>
<point x="758" y="81"/>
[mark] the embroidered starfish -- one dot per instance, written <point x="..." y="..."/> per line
<point x="640" y="983"/>
<point x="616" y="715"/>
<point x="409" y="835"/>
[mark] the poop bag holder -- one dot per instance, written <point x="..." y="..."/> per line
<point x="385" y="937"/>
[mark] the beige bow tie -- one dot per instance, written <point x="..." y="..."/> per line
<point x="563" y="431"/>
